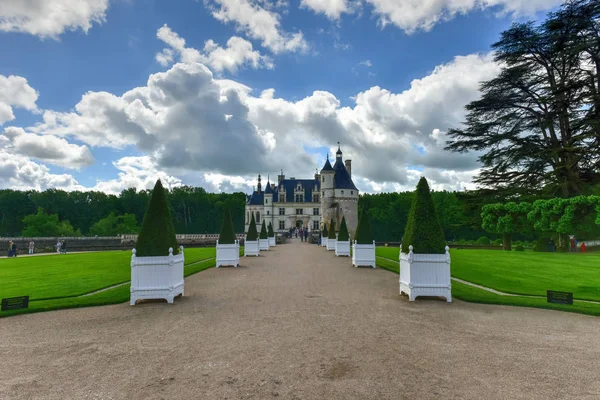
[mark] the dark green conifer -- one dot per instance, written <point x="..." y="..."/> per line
<point x="331" y="229"/>
<point x="423" y="229"/>
<point x="343" y="235"/>
<point x="270" y="232"/>
<point x="364" y="235"/>
<point x="157" y="233"/>
<point x="263" y="231"/>
<point x="325" y="233"/>
<point x="227" y="235"/>
<point x="252" y="234"/>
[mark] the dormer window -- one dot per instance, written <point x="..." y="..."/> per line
<point x="323" y="179"/>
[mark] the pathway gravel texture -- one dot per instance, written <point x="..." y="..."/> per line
<point x="299" y="323"/>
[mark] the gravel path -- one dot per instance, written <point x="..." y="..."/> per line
<point x="299" y="323"/>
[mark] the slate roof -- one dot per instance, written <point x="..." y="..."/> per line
<point x="342" y="179"/>
<point x="290" y="185"/>
<point x="256" y="199"/>
<point x="327" y="166"/>
<point x="269" y="189"/>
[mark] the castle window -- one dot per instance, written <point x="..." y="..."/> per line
<point x="316" y="225"/>
<point x="323" y="179"/>
<point x="299" y="198"/>
<point x="266" y="201"/>
<point x="352" y="192"/>
<point x="315" y="198"/>
<point x="268" y="213"/>
<point x="298" y="211"/>
<point x="247" y="217"/>
<point x="282" y="211"/>
<point x="342" y="192"/>
<point x="323" y="193"/>
<point x="315" y="211"/>
<point x="257" y="217"/>
<point x="281" y="224"/>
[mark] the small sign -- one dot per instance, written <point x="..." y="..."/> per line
<point x="559" y="297"/>
<point x="14" y="303"/>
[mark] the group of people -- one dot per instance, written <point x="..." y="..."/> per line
<point x="302" y="232"/>
<point x="12" y="249"/>
<point x="61" y="247"/>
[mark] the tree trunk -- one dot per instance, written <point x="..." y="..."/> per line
<point x="506" y="241"/>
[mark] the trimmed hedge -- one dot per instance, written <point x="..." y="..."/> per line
<point x="157" y="233"/>
<point x="263" y="231"/>
<point x="227" y="236"/>
<point x="364" y="235"/>
<point x="484" y="240"/>
<point x="343" y="235"/>
<point x="331" y="229"/>
<point x="423" y="229"/>
<point x="519" y="248"/>
<point x="252" y="234"/>
<point x="270" y="232"/>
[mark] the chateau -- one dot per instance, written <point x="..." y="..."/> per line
<point x="307" y="202"/>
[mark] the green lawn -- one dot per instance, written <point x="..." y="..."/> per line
<point x="61" y="276"/>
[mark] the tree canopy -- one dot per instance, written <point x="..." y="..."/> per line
<point x="114" y="225"/>
<point x="47" y="225"/>
<point x="506" y="219"/>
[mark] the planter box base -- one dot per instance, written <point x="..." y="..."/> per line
<point x="342" y="249"/>
<point x="251" y="248"/>
<point x="425" y="275"/>
<point x="156" y="293"/>
<point x="363" y="255"/>
<point x="228" y="254"/>
<point x="156" y="277"/>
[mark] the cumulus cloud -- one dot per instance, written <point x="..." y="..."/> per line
<point x="332" y="9"/>
<point x="258" y="23"/>
<point x="51" y="18"/>
<point x="238" y="53"/>
<point x="15" y="92"/>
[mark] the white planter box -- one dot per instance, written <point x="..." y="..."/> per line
<point x="363" y="254"/>
<point x="157" y="277"/>
<point x="324" y="241"/>
<point x="342" y="248"/>
<point x="251" y="248"/>
<point x="228" y="254"/>
<point x="331" y="244"/>
<point x="425" y="275"/>
<point x="272" y="241"/>
<point x="263" y="244"/>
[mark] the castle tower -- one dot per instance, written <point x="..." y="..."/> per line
<point x="327" y="192"/>
<point x="268" y="203"/>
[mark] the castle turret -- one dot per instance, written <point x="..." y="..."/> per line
<point x="327" y="191"/>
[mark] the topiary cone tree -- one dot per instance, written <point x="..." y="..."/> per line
<point x="227" y="235"/>
<point x="270" y="232"/>
<point x="325" y="232"/>
<point x="423" y="229"/>
<point x="364" y="234"/>
<point x="252" y="234"/>
<point x="343" y="236"/>
<point x="157" y="234"/>
<point x="263" y="231"/>
<point x="331" y="234"/>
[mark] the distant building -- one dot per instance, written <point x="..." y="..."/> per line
<point x="307" y="202"/>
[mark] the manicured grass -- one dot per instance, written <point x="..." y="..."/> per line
<point x="62" y="276"/>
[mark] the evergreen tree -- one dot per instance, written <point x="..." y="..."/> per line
<point x="343" y="236"/>
<point x="331" y="229"/>
<point x="252" y="234"/>
<point x="270" y="232"/>
<point x="363" y="234"/>
<point x="423" y="230"/>
<point x="263" y="231"/>
<point x="157" y="233"/>
<point x="325" y="232"/>
<point x="227" y="235"/>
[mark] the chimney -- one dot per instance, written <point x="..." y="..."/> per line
<point x="280" y="177"/>
<point x="349" y="167"/>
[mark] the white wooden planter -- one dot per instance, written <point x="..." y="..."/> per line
<point x="324" y="241"/>
<point x="342" y="248"/>
<point x="263" y="244"/>
<point x="272" y="241"/>
<point x="425" y="275"/>
<point x="363" y="254"/>
<point x="251" y="248"/>
<point x="331" y="244"/>
<point x="156" y="277"/>
<point x="228" y="254"/>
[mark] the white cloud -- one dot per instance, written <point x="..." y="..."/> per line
<point x="366" y="63"/>
<point x="332" y="9"/>
<point x="258" y="23"/>
<point x="15" y="92"/>
<point x="50" y="18"/>
<point x="411" y="16"/>
<point x="239" y="52"/>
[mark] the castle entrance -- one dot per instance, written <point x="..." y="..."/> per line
<point x="299" y="223"/>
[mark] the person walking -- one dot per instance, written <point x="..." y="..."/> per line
<point x="58" y="247"/>
<point x="31" y="246"/>
<point x="9" y="254"/>
<point x="305" y="235"/>
<point x="14" y="249"/>
<point x="63" y="247"/>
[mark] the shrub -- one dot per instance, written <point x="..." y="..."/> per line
<point x="519" y="248"/>
<point x="325" y="233"/>
<point x="364" y="235"/>
<point x="498" y="242"/>
<point x="543" y="245"/>
<point x="263" y="231"/>
<point x="227" y="236"/>
<point x="423" y="229"/>
<point x="343" y="235"/>
<point x="252" y="234"/>
<point x="157" y="233"/>
<point x="331" y="229"/>
<point x="484" y="240"/>
<point x="270" y="232"/>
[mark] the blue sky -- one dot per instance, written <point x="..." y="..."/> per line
<point x="348" y="79"/>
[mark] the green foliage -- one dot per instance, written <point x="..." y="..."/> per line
<point x="484" y="240"/>
<point x="227" y="235"/>
<point x="543" y="245"/>
<point x="331" y="229"/>
<point x="497" y="242"/>
<point x="157" y="233"/>
<point x="519" y="248"/>
<point x="325" y="232"/>
<point x="343" y="236"/>
<point x="252" y="234"/>
<point x="47" y="225"/>
<point x="114" y="225"/>
<point x="364" y="235"/>
<point x="270" y="232"/>
<point x="263" y="231"/>
<point x="423" y="230"/>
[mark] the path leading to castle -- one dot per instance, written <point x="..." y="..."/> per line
<point x="299" y="323"/>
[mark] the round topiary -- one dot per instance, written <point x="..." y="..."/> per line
<point x="519" y="248"/>
<point x="331" y="229"/>
<point x="263" y="231"/>
<point x="343" y="236"/>
<point x="325" y="233"/>
<point x="157" y="233"/>
<point x="484" y="240"/>
<point x="252" y="234"/>
<point x="227" y="236"/>
<point x="364" y="235"/>
<point x="423" y="229"/>
<point x="270" y="232"/>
